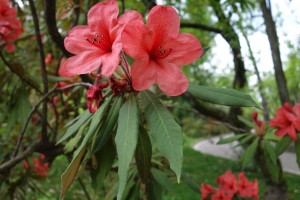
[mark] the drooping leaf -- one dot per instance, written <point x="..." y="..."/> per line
<point x="246" y="139"/>
<point x="270" y="152"/>
<point x="74" y="127"/>
<point x="161" y="179"/>
<point x="250" y="152"/>
<point x="222" y="96"/>
<point x="95" y="123"/>
<point x="231" y="139"/>
<point x="194" y="185"/>
<point x="108" y="125"/>
<point x="143" y="154"/>
<point x="153" y="190"/>
<point x="282" y="145"/>
<point x="70" y="174"/>
<point x="164" y="130"/>
<point x="297" y="149"/>
<point x="273" y="168"/>
<point x="105" y="159"/>
<point x="126" y="140"/>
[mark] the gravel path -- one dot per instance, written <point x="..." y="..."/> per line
<point x="231" y="152"/>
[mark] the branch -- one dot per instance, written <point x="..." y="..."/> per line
<point x="76" y="12"/>
<point x="43" y="68"/>
<point x="35" y="107"/>
<point x="50" y="6"/>
<point x="14" y="161"/>
<point x="13" y="70"/>
<point x="201" y="26"/>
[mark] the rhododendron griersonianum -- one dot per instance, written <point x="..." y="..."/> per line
<point x="10" y="26"/>
<point x="98" y="43"/>
<point x="158" y="50"/>
<point x="230" y="187"/>
<point x="287" y="121"/>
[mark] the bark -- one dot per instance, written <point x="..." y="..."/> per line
<point x="274" y="45"/>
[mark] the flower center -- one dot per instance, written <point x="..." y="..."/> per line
<point x="160" y="52"/>
<point x="100" y="41"/>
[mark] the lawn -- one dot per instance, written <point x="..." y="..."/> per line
<point x="205" y="168"/>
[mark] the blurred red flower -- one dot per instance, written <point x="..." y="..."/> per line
<point x="287" y="121"/>
<point x="10" y="26"/>
<point x="246" y="188"/>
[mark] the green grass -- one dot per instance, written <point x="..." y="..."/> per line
<point x="205" y="168"/>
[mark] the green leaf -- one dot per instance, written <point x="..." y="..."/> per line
<point x="70" y="174"/>
<point x="104" y="161"/>
<point x="222" y="96"/>
<point x="270" y="152"/>
<point x="282" y="145"/>
<point x="143" y="154"/>
<point x="126" y="139"/>
<point x="231" y="139"/>
<point x="74" y="127"/>
<point x="297" y="149"/>
<point x="108" y="125"/>
<point x="273" y="168"/>
<point x="164" y="130"/>
<point x="246" y="139"/>
<point x="250" y="152"/>
<point x="161" y="179"/>
<point x="52" y="78"/>
<point x="153" y="191"/>
<point x="95" y="123"/>
<point x="194" y="185"/>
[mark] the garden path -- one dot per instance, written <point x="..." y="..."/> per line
<point x="232" y="152"/>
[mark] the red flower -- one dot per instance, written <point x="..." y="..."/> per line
<point x="246" y="188"/>
<point x="10" y="26"/>
<point x="228" y="183"/>
<point x="206" y="190"/>
<point x="221" y="194"/>
<point x="98" y="43"/>
<point x="40" y="168"/>
<point x="159" y="50"/>
<point x="48" y="58"/>
<point x="287" y="121"/>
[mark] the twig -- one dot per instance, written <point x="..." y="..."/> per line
<point x="123" y="6"/>
<point x="50" y="6"/>
<point x="4" y="167"/>
<point x="84" y="189"/>
<point x="43" y="68"/>
<point x="34" y="108"/>
<point x="19" y="75"/>
<point x="200" y="26"/>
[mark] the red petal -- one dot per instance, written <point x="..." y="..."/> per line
<point x="143" y="73"/>
<point x="292" y="133"/>
<point x="101" y="16"/>
<point x="76" y="41"/>
<point x="164" y="23"/>
<point x="297" y="109"/>
<point x="110" y="60"/>
<point x="128" y="17"/>
<point x="83" y="63"/>
<point x="136" y="39"/>
<point x="185" y="50"/>
<point x="170" y="79"/>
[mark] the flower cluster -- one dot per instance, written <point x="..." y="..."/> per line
<point x="40" y="167"/>
<point x="10" y="26"/>
<point x="230" y="187"/>
<point x="287" y="121"/>
<point x="157" y="48"/>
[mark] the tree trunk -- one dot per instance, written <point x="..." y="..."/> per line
<point x="274" y="44"/>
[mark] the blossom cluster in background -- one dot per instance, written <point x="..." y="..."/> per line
<point x="230" y="188"/>
<point x="39" y="167"/>
<point x="287" y="121"/>
<point x="10" y="26"/>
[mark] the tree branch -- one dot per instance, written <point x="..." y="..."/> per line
<point x="35" y="107"/>
<point x="50" y="15"/>
<point x="200" y="26"/>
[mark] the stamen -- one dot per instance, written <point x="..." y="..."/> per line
<point x="101" y="43"/>
<point x="160" y="53"/>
